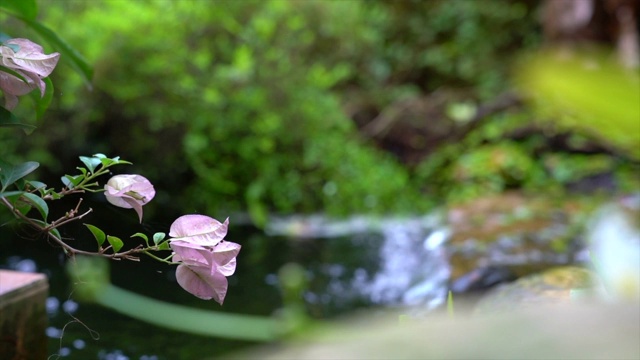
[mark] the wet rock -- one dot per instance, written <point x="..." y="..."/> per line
<point x="503" y="237"/>
<point x="548" y="287"/>
<point x="482" y="279"/>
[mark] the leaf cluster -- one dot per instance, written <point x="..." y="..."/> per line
<point x="21" y="196"/>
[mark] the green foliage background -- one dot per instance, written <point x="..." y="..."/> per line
<point x="248" y="105"/>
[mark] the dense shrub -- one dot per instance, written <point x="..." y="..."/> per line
<point x="248" y="104"/>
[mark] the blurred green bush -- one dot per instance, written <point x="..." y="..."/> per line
<point x="247" y="105"/>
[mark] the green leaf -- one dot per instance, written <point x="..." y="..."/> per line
<point x="97" y="233"/>
<point x="26" y="9"/>
<point x="42" y="102"/>
<point x="91" y="162"/>
<point x="51" y="192"/>
<point x="44" y="224"/>
<point x="115" y="242"/>
<point x="77" y="61"/>
<point x="8" y="119"/>
<point x="56" y="233"/>
<point x="71" y="181"/>
<point x="106" y="162"/>
<point x="143" y="236"/>
<point x="37" y="185"/>
<point x="11" y="71"/>
<point x="164" y="246"/>
<point x="38" y="203"/>
<point x="23" y="207"/>
<point x="10" y="194"/>
<point x="158" y="237"/>
<point x="10" y="174"/>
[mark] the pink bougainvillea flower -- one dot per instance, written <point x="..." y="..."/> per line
<point x="200" y="282"/>
<point x="202" y="272"/>
<point x="198" y="230"/>
<point x="203" y="267"/>
<point x="29" y="61"/>
<point x="129" y="192"/>
<point x="220" y="258"/>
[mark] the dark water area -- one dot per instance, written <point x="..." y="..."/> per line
<point x="345" y="270"/>
<point x="88" y="331"/>
<point x="349" y="264"/>
<point x="93" y="332"/>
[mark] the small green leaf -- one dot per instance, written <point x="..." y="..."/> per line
<point x="100" y="156"/>
<point x="91" y="162"/>
<point x="55" y="233"/>
<point x="97" y="233"/>
<point x="38" y="203"/>
<point x="53" y="194"/>
<point x="10" y="174"/>
<point x="72" y="181"/>
<point x="115" y="242"/>
<point x="164" y="246"/>
<point x="106" y="162"/>
<point x="143" y="236"/>
<point x="44" y="224"/>
<point x="158" y="237"/>
<point x="37" y="185"/>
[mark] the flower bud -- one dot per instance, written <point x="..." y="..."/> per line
<point x="129" y="192"/>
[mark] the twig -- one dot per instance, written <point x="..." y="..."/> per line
<point x="69" y="250"/>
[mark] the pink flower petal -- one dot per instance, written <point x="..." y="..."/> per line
<point x="29" y="58"/>
<point x="199" y="229"/>
<point x="184" y="252"/>
<point x="129" y="191"/>
<point x="224" y="253"/>
<point x="228" y="269"/>
<point x="135" y="204"/>
<point x="200" y="282"/>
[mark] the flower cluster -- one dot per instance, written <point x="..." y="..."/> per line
<point x="27" y="65"/>
<point x="204" y="258"/>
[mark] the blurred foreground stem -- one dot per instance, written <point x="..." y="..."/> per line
<point x="187" y="319"/>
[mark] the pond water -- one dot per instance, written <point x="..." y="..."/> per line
<point x="350" y="264"/>
<point x="355" y="263"/>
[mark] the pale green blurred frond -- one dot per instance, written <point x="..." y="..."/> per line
<point x="589" y="93"/>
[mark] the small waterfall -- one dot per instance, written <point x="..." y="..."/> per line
<point x="360" y="261"/>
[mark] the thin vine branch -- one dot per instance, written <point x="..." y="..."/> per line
<point x="70" y="250"/>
